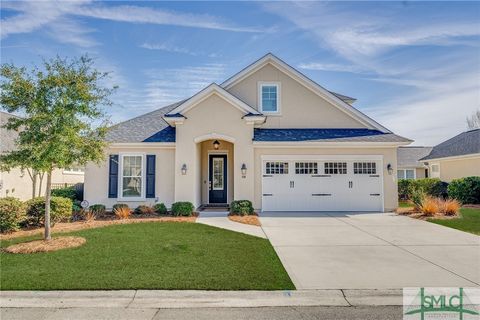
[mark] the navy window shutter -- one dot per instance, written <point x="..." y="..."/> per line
<point x="150" y="176"/>
<point x="113" y="176"/>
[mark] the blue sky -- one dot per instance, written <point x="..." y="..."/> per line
<point x="413" y="66"/>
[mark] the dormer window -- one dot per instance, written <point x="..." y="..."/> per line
<point x="269" y="97"/>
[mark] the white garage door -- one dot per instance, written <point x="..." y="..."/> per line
<point x="322" y="184"/>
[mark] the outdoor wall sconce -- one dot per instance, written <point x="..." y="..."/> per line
<point x="244" y="170"/>
<point x="184" y="169"/>
<point x="216" y="144"/>
<point x="389" y="169"/>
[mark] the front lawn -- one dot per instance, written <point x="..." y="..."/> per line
<point x="469" y="221"/>
<point x="149" y="256"/>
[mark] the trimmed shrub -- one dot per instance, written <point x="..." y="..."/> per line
<point x="120" y="205"/>
<point x="182" y="208"/>
<point x="466" y="190"/>
<point x="68" y="192"/>
<point x="160" y="208"/>
<point x="241" y="207"/>
<point x="433" y="187"/>
<point x="12" y="213"/>
<point x="404" y="189"/>
<point x="143" y="209"/>
<point x="60" y="210"/>
<point x="99" y="209"/>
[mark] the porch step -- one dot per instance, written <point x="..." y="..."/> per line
<point x="215" y="207"/>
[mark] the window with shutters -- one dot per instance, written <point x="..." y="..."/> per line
<point x="335" y="168"/>
<point x="276" y="167"/>
<point x="132" y="176"/>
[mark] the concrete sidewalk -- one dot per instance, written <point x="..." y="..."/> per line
<point x="220" y="219"/>
<point x="158" y="299"/>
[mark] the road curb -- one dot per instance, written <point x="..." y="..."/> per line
<point x="155" y="299"/>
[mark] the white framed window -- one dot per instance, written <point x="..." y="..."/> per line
<point x="406" y="174"/>
<point x="435" y="168"/>
<point x="132" y="176"/>
<point x="217" y="174"/>
<point x="74" y="170"/>
<point x="276" y="167"/>
<point x="335" y="168"/>
<point x="269" y="97"/>
<point x="364" y="168"/>
<point x="306" y="168"/>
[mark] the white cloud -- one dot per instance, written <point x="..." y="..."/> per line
<point x="34" y="15"/>
<point x="331" y="67"/>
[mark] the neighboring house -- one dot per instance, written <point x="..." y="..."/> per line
<point x="17" y="183"/>
<point x="408" y="164"/>
<point x="457" y="157"/>
<point x="268" y="134"/>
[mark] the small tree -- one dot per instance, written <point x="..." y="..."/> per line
<point x="473" y="122"/>
<point x="62" y="124"/>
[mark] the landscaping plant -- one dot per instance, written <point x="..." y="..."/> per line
<point x="122" y="212"/>
<point x="143" y="209"/>
<point x="450" y="207"/>
<point x="62" y="124"/>
<point x="61" y="210"/>
<point x="12" y="213"/>
<point x="417" y="197"/>
<point x="119" y="205"/>
<point x="466" y="190"/>
<point x="429" y="206"/>
<point x="68" y="192"/>
<point x="98" y="209"/>
<point x="241" y="207"/>
<point x="182" y="208"/>
<point x="160" y="208"/>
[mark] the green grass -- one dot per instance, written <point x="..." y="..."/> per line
<point x="404" y="204"/>
<point x="469" y="221"/>
<point x="149" y="256"/>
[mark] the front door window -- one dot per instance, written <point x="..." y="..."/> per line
<point x="217" y="173"/>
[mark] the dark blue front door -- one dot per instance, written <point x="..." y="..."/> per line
<point x="217" y="165"/>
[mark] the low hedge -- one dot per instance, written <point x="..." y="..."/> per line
<point x="160" y="208"/>
<point x="466" y="190"/>
<point x="119" y="205"/>
<point x="68" y="192"/>
<point x="241" y="207"/>
<point x="60" y="210"/>
<point x="12" y="213"/>
<point x="182" y="208"/>
<point x="433" y="187"/>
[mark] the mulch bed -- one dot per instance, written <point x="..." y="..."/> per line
<point x="55" y="244"/>
<point x="412" y="213"/>
<point x="251" y="219"/>
<point x="105" y="221"/>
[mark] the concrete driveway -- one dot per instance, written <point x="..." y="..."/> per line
<point x="371" y="251"/>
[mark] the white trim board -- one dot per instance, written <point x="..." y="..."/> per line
<point x="306" y="82"/>
<point x="207" y="92"/>
<point x="321" y="157"/>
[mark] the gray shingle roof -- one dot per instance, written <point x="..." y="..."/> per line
<point x="325" y="135"/>
<point x="463" y="144"/>
<point x="7" y="137"/>
<point x="142" y="127"/>
<point x="408" y="157"/>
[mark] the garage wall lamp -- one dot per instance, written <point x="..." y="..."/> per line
<point x="389" y="169"/>
<point x="184" y="169"/>
<point x="244" y="170"/>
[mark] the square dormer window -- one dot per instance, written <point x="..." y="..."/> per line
<point x="269" y="97"/>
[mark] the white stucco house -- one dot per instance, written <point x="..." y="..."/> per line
<point x="268" y="134"/>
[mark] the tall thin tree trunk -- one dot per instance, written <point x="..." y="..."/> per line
<point x="33" y="177"/>
<point x="47" y="206"/>
<point x="40" y="176"/>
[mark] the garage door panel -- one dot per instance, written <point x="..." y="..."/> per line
<point x="322" y="185"/>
